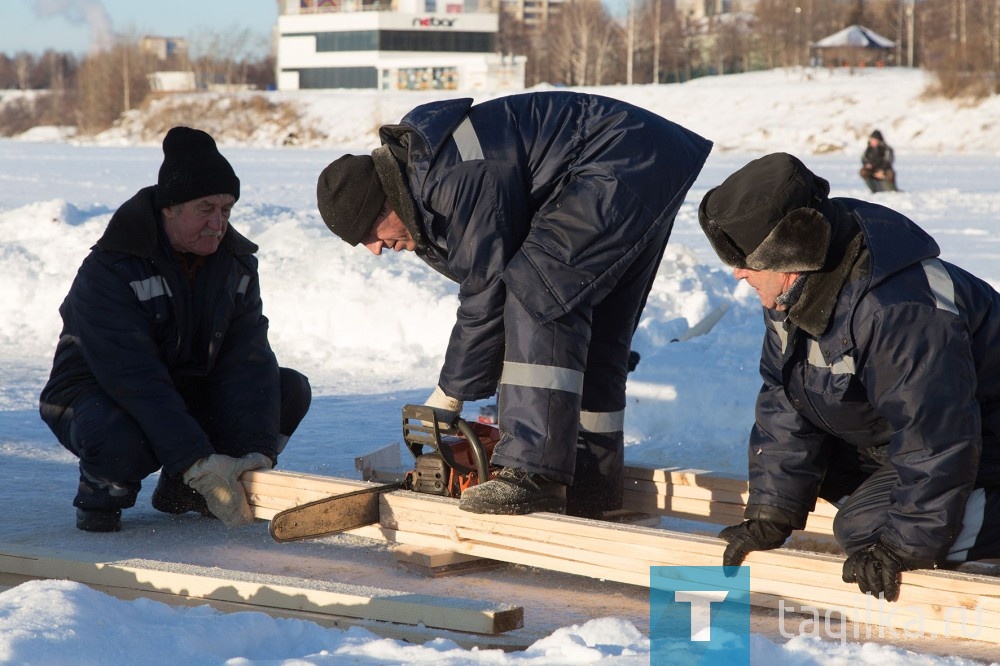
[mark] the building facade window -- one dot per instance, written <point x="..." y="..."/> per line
<point x="338" y="77"/>
<point x="404" y="40"/>
<point x="361" y="40"/>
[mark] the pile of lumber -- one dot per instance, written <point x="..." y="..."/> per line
<point x="433" y="532"/>
<point x="931" y="602"/>
<point x="706" y="497"/>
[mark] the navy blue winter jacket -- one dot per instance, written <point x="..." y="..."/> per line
<point x="548" y="195"/>
<point x="909" y="366"/>
<point x="136" y="328"/>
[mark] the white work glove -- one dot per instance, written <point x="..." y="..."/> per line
<point x="217" y="478"/>
<point x="438" y="400"/>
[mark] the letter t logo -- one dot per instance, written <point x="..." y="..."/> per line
<point x="701" y="610"/>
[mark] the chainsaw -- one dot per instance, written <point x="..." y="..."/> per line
<point x="458" y="459"/>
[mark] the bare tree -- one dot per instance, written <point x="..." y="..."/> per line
<point x="775" y="32"/>
<point x="23" y="63"/>
<point x="8" y="79"/>
<point x="515" y="37"/>
<point x="961" y="45"/>
<point x="648" y="44"/>
<point x="224" y="58"/>
<point x="111" y="82"/>
<point x="583" y="44"/>
<point x="733" y="43"/>
<point x="682" y="51"/>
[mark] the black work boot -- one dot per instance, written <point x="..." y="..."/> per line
<point x="172" y="495"/>
<point x="99" y="520"/>
<point x="99" y="503"/>
<point x="599" y="477"/>
<point x="515" y="492"/>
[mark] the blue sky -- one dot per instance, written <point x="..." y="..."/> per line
<point x="72" y="25"/>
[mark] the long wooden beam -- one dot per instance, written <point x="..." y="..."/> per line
<point x="937" y="602"/>
<point x="280" y="593"/>
<point x="673" y="492"/>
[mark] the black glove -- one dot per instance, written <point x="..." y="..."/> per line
<point x="751" y="535"/>
<point x="877" y="569"/>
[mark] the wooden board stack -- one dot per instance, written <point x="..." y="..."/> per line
<point x="706" y="497"/>
<point x="957" y="605"/>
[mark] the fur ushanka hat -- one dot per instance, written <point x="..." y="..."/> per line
<point x="766" y="217"/>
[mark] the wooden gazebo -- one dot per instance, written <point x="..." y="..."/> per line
<point x="854" y="46"/>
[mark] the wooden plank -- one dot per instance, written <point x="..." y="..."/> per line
<point x="902" y="615"/>
<point x="706" y="494"/>
<point x="299" y="481"/>
<point x="518" y="640"/>
<point x="592" y="541"/>
<point x="430" y="557"/>
<point x="278" y="592"/>
<point x="676" y="492"/>
<point x="644" y="483"/>
<point x="818" y="527"/>
<point x="624" y="553"/>
<point x="682" y="476"/>
<point x="437" y="563"/>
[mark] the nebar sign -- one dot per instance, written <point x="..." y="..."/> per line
<point x="434" y="22"/>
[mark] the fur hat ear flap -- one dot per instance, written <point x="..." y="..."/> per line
<point x="797" y="244"/>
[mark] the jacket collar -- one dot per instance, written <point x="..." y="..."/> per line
<point x="814" y="309"/>
<point x="390" y="170"/>
<point x="135" y="229"/>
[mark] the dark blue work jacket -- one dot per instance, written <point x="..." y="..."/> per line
<point x="909" y="368"/>
<point x="165" y="348"/>
<point x="548" y="195"/>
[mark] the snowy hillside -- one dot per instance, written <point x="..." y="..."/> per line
<point x="370" y="333"/>
<point x="808" y="110"/>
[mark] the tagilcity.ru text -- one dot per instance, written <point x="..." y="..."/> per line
<point x="892" y="621"/>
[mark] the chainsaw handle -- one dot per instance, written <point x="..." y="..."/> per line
<point x="423" y="425"/>
<point x="482" y="466"/>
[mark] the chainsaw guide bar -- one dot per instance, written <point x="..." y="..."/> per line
<point x="330" y="515"/>
<point x="459" y="459"/>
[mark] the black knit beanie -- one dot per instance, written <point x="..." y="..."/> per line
<point x="767" y="216"/>
<point x="192" y="168"/>
<point x="349" y="196"/>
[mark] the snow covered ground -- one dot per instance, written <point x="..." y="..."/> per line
<point x="370" y="334"/>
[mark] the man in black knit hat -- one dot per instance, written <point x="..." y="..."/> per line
<point x="163" y="362"/>
<point x="881" y="368"/>
<point x="552" y="211"/>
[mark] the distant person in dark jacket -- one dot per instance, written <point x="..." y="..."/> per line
<point x="551" y="211"/>
<point x="881" y="368"/>
<point x="163" y="362"/>
<point x="876" y="165"/>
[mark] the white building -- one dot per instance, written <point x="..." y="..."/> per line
<point x="410" y="44"/>
<point x="534" y="13"/>
<point x="698" y="9"/>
